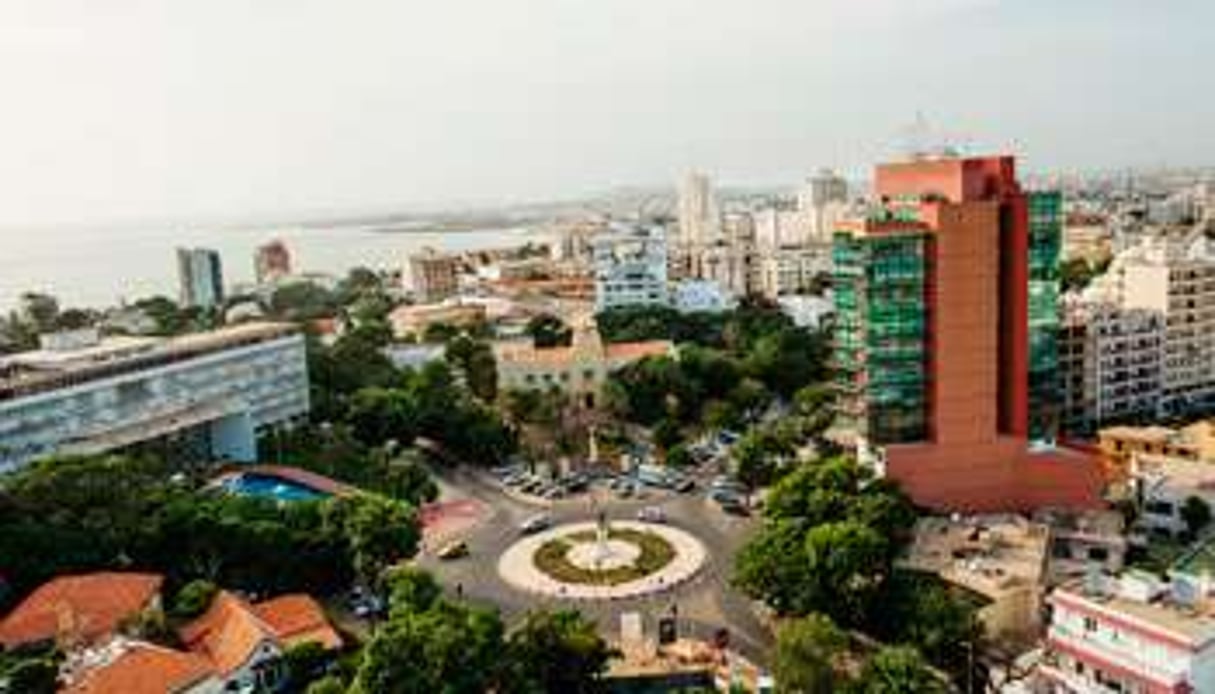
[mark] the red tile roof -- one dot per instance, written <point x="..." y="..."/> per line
<point x="144" y="668"/>
<point x="632" y="351"/>
<point x="227" y="634"/>
<point x="79" y="608"/>
<point x="297" y="619"/>
<point x="230" y="631"/>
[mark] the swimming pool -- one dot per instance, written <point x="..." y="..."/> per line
<point x="271" y="487"/>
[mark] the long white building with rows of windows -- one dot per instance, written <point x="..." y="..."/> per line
<point x="209" y="395"/>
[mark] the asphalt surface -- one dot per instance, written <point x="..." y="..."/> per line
<point x="702" y="606"/>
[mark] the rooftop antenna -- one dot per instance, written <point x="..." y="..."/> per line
<point x="921" y="141"/>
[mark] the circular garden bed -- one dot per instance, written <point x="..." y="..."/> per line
<point x="552" y="558"/>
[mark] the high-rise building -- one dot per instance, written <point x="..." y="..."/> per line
<point x="630" y="266"/>
<point x="946" y="328"/>
<point x="272" y="261"/>
<point x="1111" y="365"/>
<point x="200" y="277"/>
<point x="435" y="276"/>
<point x="699" y="215"/>
<point x="822" y="202"/>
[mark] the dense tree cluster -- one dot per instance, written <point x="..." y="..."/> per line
<point x="354" y="385"/>
<point x="827" y="547"/>
<point x="729" y="368"/>
<point x="430" y="644"/>
<point x="80" y="514"/>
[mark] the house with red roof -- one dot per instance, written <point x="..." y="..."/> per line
<point x="138" y="667"/>
<point x="244" y="641"/>
<point x="80" y="610"/>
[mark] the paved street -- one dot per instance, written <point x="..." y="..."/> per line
<point x="704" y="604"/>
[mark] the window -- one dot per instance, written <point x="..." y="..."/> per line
<point x="1090" y="624"/>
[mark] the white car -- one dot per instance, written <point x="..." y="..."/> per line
<point x="652" y="514"/>
<point x="535" y="524"/>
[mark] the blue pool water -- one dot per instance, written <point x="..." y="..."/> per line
<point x="271" y="487"/>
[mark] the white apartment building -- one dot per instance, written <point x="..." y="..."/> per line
<point x="1111" y="362"/>
<point x="1172" y="276"/>
<point x="630" y="266"/>
<point x="785" y="271"/>
<point x="212" y="392"/>
<point x="690" y="296"/>
<point x="1176" y="277"/>
<point x="1133" y="636"/>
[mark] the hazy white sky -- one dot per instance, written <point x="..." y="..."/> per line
<point x="198" y="109"/>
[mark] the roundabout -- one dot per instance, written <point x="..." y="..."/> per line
<point x="601" y="561"/>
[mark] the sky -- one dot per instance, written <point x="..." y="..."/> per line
<point x="216" y="109"/>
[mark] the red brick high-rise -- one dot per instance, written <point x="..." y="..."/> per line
<point x="946" y="300"/>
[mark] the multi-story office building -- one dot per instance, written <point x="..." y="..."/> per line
<point x="208" y="394"/>
<point x="630" y="266"/>
<point x="200" y="277"/>
<point x="272" y="261"/>
<point x="1135" y="635"/>
<point x="699" y="215"/>
<point x="946" y="328"/>
<point x="1111" y="365"/>
<point x="434" y="275"/>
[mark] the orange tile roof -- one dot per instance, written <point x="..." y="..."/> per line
<point x="84" y="607"/>
<point x="144" y="669"/>
<point x="227" y="634"/>
<point x="231" y="629"/>
<point x="297" y="619"/>
<point x="631" y="351"/>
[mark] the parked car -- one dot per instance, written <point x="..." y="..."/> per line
<point x="552" y="492"/>
<point x="721" y="495"/>
<point x="652" y="514"/>
<point x="532" y="487"/>
<point x="734" y="507"/>
<point x="536" y="523"/>
<point x="626" y="489"/>
<point x="683" y="484"/>
<point x="453" y="550"/>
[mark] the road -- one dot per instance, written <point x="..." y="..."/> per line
<point x="704" y="604"/>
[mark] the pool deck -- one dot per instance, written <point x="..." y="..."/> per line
<point x="297" y="475"/>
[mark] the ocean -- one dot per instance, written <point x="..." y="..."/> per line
<point x="98" y="268"/>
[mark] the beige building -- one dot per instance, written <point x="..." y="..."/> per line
<point x="1173" y="275"/>
<point x="579" y="369"/>
<point x="785" y="271"/>
<point x="1002" y="558"/>
<point x="434" y="275"/>
<point x="415" y="319"/>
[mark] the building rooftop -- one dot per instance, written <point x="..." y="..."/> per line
<point x="231" y="629"/>
<point x="30" y="372"/>
<point x="990" y="555"/>
<point x="83" y="608"/>
<point x="139" y="668"/>
<point x="1157" y="607"/>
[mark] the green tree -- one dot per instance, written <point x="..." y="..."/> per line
<point x="559" y="652"/>
<point x="1196" y="513"/>
<point x="448" y="648"/>
<point x="805" y="655"/>
<point x="547" y="330"/>
<point x="194" y="598"/>
<point x="303" y="301"/>
<point x="380" y="531"/>
<point x="411" y="590"/>
<point x="898" y="670"/>
<point x="304" y="663"/>
<point x="326" y="685"/>
<point x="475" y="360"/>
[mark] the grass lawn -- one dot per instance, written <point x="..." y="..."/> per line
<point x="552" y="558"/>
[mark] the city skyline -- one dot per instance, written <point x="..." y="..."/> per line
<point x="135" y="114"/>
